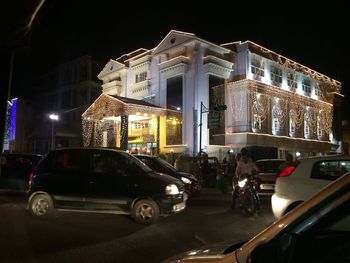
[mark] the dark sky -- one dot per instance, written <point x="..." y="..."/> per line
<point x="315" y="36"/>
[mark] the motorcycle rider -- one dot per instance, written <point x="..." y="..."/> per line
<point x="245" y="166"/>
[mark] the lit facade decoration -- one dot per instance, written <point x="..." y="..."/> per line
<point x="271" y="100"/>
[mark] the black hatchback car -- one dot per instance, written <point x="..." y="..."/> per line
<point x="103" y="181"/>
<point x="192" y="184"/>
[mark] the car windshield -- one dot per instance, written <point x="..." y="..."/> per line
<point x="165" y="164"/>
<point x="137" y="162"/>
<point x="269" y="166"/>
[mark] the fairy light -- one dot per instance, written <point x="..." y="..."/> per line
<point x="283" y="106"/>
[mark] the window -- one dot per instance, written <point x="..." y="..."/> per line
<point x="257" y="122"/>
<point x="257" y="67"/>
<point x="291" y="126"/>
<point x="318" y="90"/>
<point x="174" y="113"/>
<point x="140" y="77"/>
<point x="330" y="170"/>
<point x="292" y="81"/>
<point x="306" y="86"/>
<point x="276" y="125"/>
<point x="319" y="128"/>
<point x="276" y="75"/>
<point x="306" y="129"/>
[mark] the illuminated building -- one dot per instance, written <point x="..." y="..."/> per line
<point x="271" y="100"/>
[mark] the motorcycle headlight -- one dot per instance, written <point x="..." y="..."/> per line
<point x="186" y="180"/>
<point x="171" y="189"/>
<point x="242" y="183"/>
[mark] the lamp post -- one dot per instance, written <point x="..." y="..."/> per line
<point x="203" y="110"/>
<point x="53" y="117"/>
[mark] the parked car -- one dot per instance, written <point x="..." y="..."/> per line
<point x="205" y="168"/>
<point x="104" y="181"/>
<point x="192" y="184"/>
<point x="16" y="168"/>
<point x="316" y="231"/>
<point x="266" y="178"/>
<point x="300" y="181"/>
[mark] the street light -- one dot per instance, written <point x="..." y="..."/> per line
<point x="53" y="117"/>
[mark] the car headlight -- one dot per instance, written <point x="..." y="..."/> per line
<point x="242" y="183"/>
<point x="186" y="180"/>
<point x="171" y="189"/>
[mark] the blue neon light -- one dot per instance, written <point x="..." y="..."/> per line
<point x="13" y="120"/>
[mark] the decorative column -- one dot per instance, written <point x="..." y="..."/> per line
<point x="124" y="132"/>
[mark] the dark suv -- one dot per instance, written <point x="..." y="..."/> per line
<point x="104" y="181"/>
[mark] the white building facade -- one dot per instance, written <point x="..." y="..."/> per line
<point x="271" y="101"/>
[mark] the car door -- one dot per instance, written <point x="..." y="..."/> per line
<point x="108" y="182"/>
<point x="68" y="179"/>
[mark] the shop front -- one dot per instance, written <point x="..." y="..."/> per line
<point x="118" y="122"/>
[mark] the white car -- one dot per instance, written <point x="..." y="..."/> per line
<point x="316" y="231"/>
<point x="302" y="180"/>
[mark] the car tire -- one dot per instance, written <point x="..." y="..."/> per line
<point x="41" y="205"/>
<point x="145" y="212"/>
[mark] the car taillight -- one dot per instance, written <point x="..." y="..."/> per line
<point x="30" y="179"/>
<point x="287" y="171"/>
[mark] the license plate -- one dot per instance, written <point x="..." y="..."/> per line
<point x="267" y="187"/>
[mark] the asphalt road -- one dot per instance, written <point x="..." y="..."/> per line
<point x="84" y="237"/>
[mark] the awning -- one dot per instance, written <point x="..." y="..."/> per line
<point x="109" y="106"/>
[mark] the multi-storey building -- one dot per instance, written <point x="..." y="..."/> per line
<point x="67" y="91"/>
<point x="165" y="99"/>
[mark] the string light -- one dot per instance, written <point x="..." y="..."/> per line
<point x="282" y="105"/>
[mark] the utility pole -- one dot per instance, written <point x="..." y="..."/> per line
<point x="216" y="108"/>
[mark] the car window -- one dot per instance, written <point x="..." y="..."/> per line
<point x="330" y="169"/>
<point x="330" y="232"/>
<point x="269" y="166"/>
<point x="66" y="161"/>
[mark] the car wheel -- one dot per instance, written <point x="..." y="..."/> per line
<point x="145" y="212"/>
<point x="41" y="205"/>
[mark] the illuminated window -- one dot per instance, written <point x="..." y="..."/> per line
<point x="319" y="127"/>
<point x="292" y="81"/>
<point x="306" y="86"/>
<point x="140" y="77"/>
<point x="257" y="122"/>
<point x="276" y="75"/>
<point x="257" y="67"/>
<point x="306" y="129"/>
<point x="174" y="113"/>
<point x="276" y="126"/>
<point x="291" y="126"/>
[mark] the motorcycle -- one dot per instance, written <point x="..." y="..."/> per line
<point x="247" y="194"/>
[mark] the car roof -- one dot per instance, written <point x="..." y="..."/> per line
<point x="89" y="149"/>
<point x="145" y="156"/>
<point x="270" y="160"/>
<point x="328" y="157"/>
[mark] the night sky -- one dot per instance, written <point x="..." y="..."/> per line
<point x="315" y="36"/>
